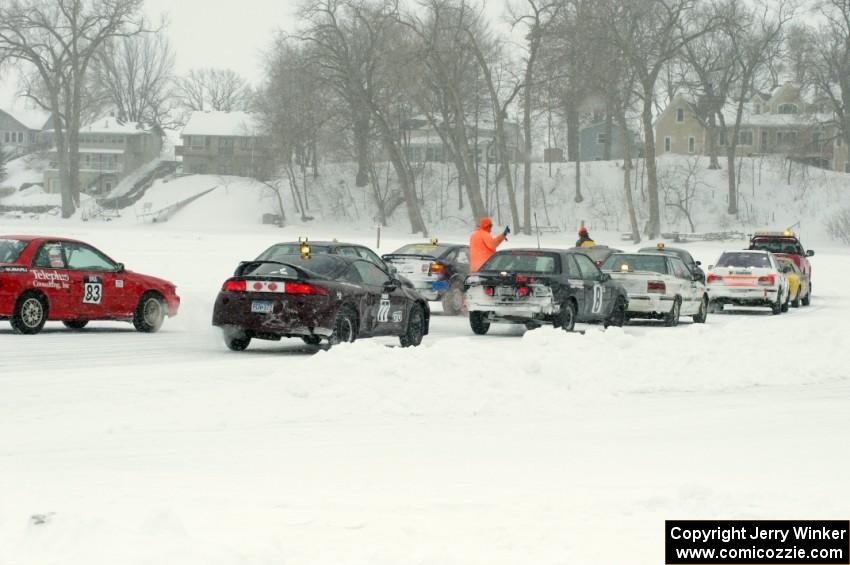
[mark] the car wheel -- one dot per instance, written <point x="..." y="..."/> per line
<point x="313" y="340"/>
<point x="235" y="338"/>
<point x="479" y="323"/>
<point x="75" y="324"/>
<point x="796" y="302"/>
<point x="671" y="319"/>
<point x="618" y="314"/>
<point x="345" y="327"/>
<point x="412" y="336"/>
<point x="701" y="316"/>
<point x="808" y="298"/>
<point x="776" y="307"/>
<point x="150" y="313"/>
<point x="787" y="302"/>
<point x="453" y="300"/>
<point x="30" y="313"/>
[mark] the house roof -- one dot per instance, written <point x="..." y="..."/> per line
<point x="31" y="118"/>
<point x="231" y="124"/>
<point x="113" y="125"/>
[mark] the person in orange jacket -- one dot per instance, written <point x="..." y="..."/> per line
<point x="482" y="245"/>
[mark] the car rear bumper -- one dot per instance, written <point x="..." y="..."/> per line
<point x="429" y="287"/>
<point x="291" y="316"/>
<point x="649" y="304"/>
<point x="530" y="307"/>
<point x="743" y="295"/>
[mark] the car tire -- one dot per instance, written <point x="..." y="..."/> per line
<point x="796" y="302"/>
<point x="671" y="319"/>
<point x="787" y="303"/>
<point x="453" y="300"/>
<point x="415" y="330"/>
<point x="75" y="324"/>
<point x="150" y="313"/>
<point x="30" y="313"/>
<point x="808" y="298"/>
<point x="479" y="323"/>
<point x="701" y="316"/>
<point x="618" y="315"/>
<point x="776" y="307"/>
<point x="345" y="326"/>
<point x="313" y="340"/>
<point x="235" y="338"/>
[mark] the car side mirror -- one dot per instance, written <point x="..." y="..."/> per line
<point x="698" y="263"/>
<point x="392" y="284"/>
<point x="710" y="267"/>
<point x="810" y="253"/>
<point x="606" y="277"/>
<point x="119" y="268"/>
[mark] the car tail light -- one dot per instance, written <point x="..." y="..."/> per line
<point x="767" y="280"/>
<point x="525" y="279"/>
<point x="235" y="286"/>
<point x="437" y="269"/>
<point x="304" y="288"/>
<point x="656" y="286"/>
<point x="712" y="278"/>
<point x="488" y="290"/>
<point x="523" y="291"/>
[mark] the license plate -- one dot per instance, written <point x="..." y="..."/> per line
<point x="744" y="273"/>
<point x="505" y="291"/>
<point x="262" y="306"/>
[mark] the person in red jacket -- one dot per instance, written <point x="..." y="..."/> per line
<point x="482" y="245"/>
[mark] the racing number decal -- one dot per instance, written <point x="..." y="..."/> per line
<point x="384" y="309"/>
<point x="92" y="290"/>
<point x="597" y="298"/>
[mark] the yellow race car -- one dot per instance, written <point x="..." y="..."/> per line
<point x="797" y="283"/>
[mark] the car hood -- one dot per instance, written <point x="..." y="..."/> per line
<point x="148" y="279"/>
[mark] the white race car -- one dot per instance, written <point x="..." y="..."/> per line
<point x="748" y="278"/>
<point x="660" y="286"/>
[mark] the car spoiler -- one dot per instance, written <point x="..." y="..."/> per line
<point x="389" y="256"/>
<point x="301" y="272"/>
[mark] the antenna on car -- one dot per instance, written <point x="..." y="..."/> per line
<point x="537" y="227"/>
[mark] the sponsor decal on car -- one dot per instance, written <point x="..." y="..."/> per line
<point x="397" y="315"/>
<point x="51" y="279"/>
<point x="119" y="284"/>
<point x="384" y="309"/>
<point x="13" y="270"/>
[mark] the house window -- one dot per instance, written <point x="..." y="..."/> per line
<point x="722" y="137"/>
<point x="32" y="138"/>
<point x="847" y="167"/>
<point x="668" y="144"/>
<point x="20" y="137"/>
<point x="786" y="138"/>
<point x="601" y="138"/>
<point x="225" y="145"/>
<point x="745" y="137"/>
<point x="692" y="143"/>
<point x="787" y="109"/>
<point x="764" y="140"/>
<point x="758" y="109"/>
<point x="246" y="143"/>
<point x="680" y="115"/>
<point x="197" y="141"/>
<point x="7" y="136"/>
<point x="816" y="137"/>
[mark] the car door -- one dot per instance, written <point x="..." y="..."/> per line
<point x="685" y="285"/>
<point x="51" y="275"/>
<point x="594" y="289"/>
<point x="576" y="283"/>
<point x="95" y="290"/>
<point x="387" y="308"/>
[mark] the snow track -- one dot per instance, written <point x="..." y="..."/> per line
<point x="516" y="447"/>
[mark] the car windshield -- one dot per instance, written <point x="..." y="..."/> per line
<point x="422" y="249"/>
<point x="778" y="246"/>
<point x="744" y="260"/>
<point x="275" y="252"/>
<point x="10" y="249"/>
<point x="325" y="266"/>
<point x="636" y="262"/>
<point x="521" y="262"/>
<point x="681" y="254"/>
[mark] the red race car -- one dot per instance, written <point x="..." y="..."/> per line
<point x="52" y="278"/>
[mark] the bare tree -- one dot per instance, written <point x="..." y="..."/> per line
<point x="650" y="34"/>
<point x="59" y="39"/>
<point x="136" y="76"/>
<point x="220" y="90"/>
<point x="539" y="18"/>
<point x="755" y="37"/>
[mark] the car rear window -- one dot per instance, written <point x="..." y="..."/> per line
<point x="744" y="260"/>
<point x="325" y="266"/>
<point x="778" y="246"/>
<point x="522" y="262"/>
<point x="422" y="249"/>
<point x="11" y="249"/>
<point x="274" y="252"/>
<point x="636" y="262"/>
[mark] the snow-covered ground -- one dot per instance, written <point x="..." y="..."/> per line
<point x="516" y="447"/>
